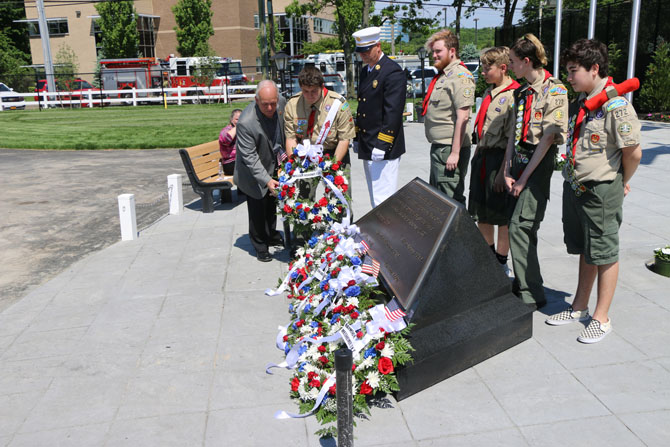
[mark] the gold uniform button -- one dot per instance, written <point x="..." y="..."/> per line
<point x="363" y="99"/>
<point x="364" y="115"/>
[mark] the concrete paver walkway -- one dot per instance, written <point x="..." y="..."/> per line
<point x="163" y="341"/>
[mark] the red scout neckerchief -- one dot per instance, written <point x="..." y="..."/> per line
<point x="578" y="124"/>
<point x="430" y="90"/>
<point x="310" y="121"/>
<point x="481" y="117"/>
<point x="529" y="101"/>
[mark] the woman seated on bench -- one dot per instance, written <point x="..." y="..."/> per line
<point x="227" y="140"/>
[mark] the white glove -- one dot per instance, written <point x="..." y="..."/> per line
<point x="377" y="154"/>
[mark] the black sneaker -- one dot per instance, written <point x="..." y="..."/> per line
<point x="277" y="242"/>
<point x="264" y="256"/>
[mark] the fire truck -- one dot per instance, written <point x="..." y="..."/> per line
<point x="331" y="65"/>
<point x="138" y="73"/>
<point x="149" y="72"/>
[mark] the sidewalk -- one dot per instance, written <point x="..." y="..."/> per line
<point x="162" y="341"/>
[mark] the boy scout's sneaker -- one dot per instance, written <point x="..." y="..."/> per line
<point x="508" y="271"/>
<point x="595" y="331"/>
<point x="568" y="316"/>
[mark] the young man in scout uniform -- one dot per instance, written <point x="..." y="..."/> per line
<point x="381" y="102"/>
<point x="495" y="122"/>
<point x="446" y="107"/>
<point x="320" y="116"/>
<point x="603" y="152"/>
<point x="541" y="108"/>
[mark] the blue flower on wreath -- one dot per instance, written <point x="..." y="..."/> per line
<point x="334" y="319"/>
<point x="287" y="348"/>
<point x="301" y="368"/>
<point x="290" y="306"/>
<point x="294" y="327"/>
<point x="313" y="241"/>
<point x="314" y="210"/>
<point x="294" y="274"/>
<point x="303" y="216"/>
<point x="306" y="163"/>
<point x="330" y="177"/>
<point x="314" y="324"/>
<point x="331" y="208"/>
<point x="322" y="165"/>
<point x="282" y="179"/>
<point x="288" y="167"/>
<point x="322" y="284"/>
<point x="308" y="308"/>
<point x="356" y="260"/>
<point x="352" y="291"/>
<point x="305" y="289"/>
<point x="370" y="353"/>
<point x="328" y="218"/>
<point x="302" y="349"/>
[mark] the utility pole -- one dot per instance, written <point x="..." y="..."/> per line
<point x="273" y="51"/>
<point x="264" y="38"/>
<point x="476" y="20"/>
<point x="445" y="16"/>
<point x="46" y="46"/>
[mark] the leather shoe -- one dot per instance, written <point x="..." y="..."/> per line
<point x="277" y="242"/>
<point x="264" y="256"/>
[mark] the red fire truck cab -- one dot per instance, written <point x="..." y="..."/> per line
<point x="138" y="73"/>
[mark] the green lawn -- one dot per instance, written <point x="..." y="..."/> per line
<point x="142" y="127"/>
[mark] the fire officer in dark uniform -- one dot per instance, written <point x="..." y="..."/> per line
<point x="381" y="101"/>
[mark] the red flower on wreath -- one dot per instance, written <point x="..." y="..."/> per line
<point x="379" y="346"/>
<point x="321" y="348"/>
<point x="385" y="365"/>
<point x="323" y="201"/>
<point x="332" y="390"/>
<point x="366" y="388"/>
<point x="295" y="384"/>
<point x="287" y="209"/>
<point x="323" y="359"/>
<point x="339" y="180"/>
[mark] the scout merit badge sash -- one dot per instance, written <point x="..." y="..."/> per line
<point x="523" y="121"/>
<point x="430" y="89"/>
<point x="334" y="108"/>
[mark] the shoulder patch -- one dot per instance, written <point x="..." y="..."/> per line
<point x="345" y="106"/>
<point x="618" y="102"/>
<point x="465" y="74"/>
<point x="558" y="90"/>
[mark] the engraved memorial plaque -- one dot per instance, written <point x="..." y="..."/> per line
<point x="435" y="262"/>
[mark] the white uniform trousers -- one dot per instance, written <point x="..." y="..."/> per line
<point x="382" y="178"/>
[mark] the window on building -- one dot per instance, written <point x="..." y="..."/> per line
<point x="147" y="30"/>
<point x="97" y="36"/>
<point x="57" y="27"/>
<point x="323" y="26"/>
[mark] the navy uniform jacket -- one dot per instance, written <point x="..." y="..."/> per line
<point x="381" y="103"/>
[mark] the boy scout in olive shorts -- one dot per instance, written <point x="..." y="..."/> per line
<point x="603" y="151"/>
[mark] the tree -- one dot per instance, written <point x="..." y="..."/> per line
<point x="194" y="27"/>
<point x="118" y="26"/>
<point x="655" y="94"/>
<point x="11" y="60"/>
<point x="469" y="52"/>
<point x="508" y="16"/>
<point x="66" y="64"/>
<point x="322" y="45"/>
<point x="15" y="33"/>
<point x="279" y="44"/>
<point x="531" y="10"/>
<point x="348" y="15"/>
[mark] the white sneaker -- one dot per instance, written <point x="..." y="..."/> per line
<point x="595" y="331"/>
<point x="568" y="316"/>
<point x="508" y="271"/>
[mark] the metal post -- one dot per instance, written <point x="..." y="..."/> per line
<point x="345" y="400"/>
<point x="632" y="45"/>
<point x="557" y="37"/>
<point x="46" y="46"/>
<point x="592" y="18"/>
<point x="476" y="20"/>
<point x="127" y="217"/>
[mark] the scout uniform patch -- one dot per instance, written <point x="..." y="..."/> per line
<point x="502" y="101"/>
<point x="465" y="74"/>
<point x="619" y="102"/>
<point x="538" y="116"/>
<point x="595" y="138"/>
<point x="374" y="83"/>
<point x="467" y="92"/>
<point x="558" y="90"/>
<point x="558" y="115"/>
<point x="625" y="128"/>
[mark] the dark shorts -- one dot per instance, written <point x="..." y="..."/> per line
<point x="591" y="222"/>
<point x="484" y="204"/>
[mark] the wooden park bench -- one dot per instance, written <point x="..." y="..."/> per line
<point x="202" y="166"/>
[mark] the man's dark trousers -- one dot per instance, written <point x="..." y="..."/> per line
<point x="262" y="222"/>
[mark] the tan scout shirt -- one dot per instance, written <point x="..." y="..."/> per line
<point x="602" y="135"/>
<point x="549" y="111"/>
<point x="500" y="117"/>
<point x="454" y="89"/>
<point x="296" y="117"/>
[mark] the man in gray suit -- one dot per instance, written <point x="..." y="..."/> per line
<point x="260" y="136"/>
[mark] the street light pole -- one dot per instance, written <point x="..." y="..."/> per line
<point x="422" y="53"/>
<point x="476" y="20"/>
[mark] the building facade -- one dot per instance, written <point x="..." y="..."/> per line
<point x="235" y="22"/>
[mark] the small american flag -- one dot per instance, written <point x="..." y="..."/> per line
<point x="365" y="245"/>
<point x="281" y="156"/>
<point x="371" y="269"/>
<point x="395" y="314"/>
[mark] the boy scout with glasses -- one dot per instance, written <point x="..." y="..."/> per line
<point x="603" y="152"/>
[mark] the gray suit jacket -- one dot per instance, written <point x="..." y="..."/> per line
<point x="254" y="160"/>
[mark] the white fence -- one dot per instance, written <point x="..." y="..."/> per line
<point x="177" y="95"/>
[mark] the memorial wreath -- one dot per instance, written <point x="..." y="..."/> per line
<point x="335" y="301"/>
<point x="310" y="164"/>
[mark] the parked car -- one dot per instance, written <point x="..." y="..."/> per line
<point x="78" y="87"/>
<point x="10" y="100"/>
<point x="473" y="66"/>
<point x="415" y="77"/>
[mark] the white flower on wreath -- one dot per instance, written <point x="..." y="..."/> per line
<point x="313" y="351"/>
<point x="353" y="301"/>
<point x="335" y="328"/>
<point x="314" y="393"/>
<point x="373" y="379"/>
<point x="665" y="251"/>
<point x="308" y="368"/>
<point x="367" y="363"/>
<point x="388" y="350"/>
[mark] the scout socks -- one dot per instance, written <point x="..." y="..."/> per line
<point x="501" y="258"/>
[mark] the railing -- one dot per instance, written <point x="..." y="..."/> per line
<point x="179" y="95"/>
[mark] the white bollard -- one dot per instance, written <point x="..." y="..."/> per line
<point x="175" y="194"/>
<point x="409" y="108"/>
<point x="127" y="217"/>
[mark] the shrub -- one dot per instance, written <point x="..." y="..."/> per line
<point x="655" y="94"/>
